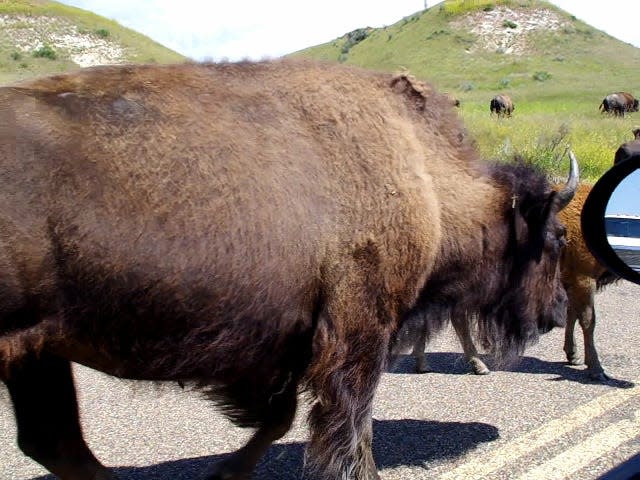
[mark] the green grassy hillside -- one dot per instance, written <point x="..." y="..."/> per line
<point x="40" y="37"/>
<point x="556" y="68"/>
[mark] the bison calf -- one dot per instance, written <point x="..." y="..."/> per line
<point x="255" y="230"/>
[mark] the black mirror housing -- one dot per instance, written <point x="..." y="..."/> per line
<point x="592" y="219"/>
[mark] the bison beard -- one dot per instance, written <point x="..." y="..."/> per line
<point x="255" y="230"/>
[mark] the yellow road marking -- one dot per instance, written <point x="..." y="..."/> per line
<point x="487" y="463"/>
<point x="581" y="455"/>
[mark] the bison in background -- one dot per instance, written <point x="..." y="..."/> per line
<point x="254" y="230"/>
<point x="618" y="104"/>
<point x="502" y="106"/>
<point x="582" y="275"/>
<point x="628" y="149"/>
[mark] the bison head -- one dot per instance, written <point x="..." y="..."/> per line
<point x="527" y="296"/>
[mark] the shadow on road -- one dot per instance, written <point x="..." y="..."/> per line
<point x="454" y="363"/>
<point x="396" y="443"/>
<point x="564" y="371"/>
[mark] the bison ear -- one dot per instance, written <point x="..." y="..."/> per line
<point x="414" y="90"/>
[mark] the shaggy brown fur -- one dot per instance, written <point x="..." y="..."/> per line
<point x="254" y="228"/>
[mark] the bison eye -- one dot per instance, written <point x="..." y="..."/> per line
<point x="561" y="236"/>
<point x="562" y="231"/>
<point x="562" y="241"/>
<point x="556" y="241"/>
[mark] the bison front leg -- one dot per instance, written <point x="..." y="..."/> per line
<point x="587" y="319"/>
<point x="461" y="324"/>
<point x="581" y="308"/>
<point x="570" y="349"/>
<point x="46" y="412"/>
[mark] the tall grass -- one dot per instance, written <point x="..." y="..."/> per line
<point x="542" y="138"/>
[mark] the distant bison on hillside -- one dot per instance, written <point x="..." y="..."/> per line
<point x="619" y="103"/>
<point x="502" y="105"/>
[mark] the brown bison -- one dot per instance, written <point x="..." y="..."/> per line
<point x="502" y="106"/>
<point x="618" y="104"/>
<point x="628" y="149"/>
<point x="255" y="230"/>
<point x="582" y="275"/>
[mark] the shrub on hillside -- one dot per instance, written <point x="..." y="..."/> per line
<point x="467" y="86"/>
<point x="541" y="76"/>
<point x="45" y="51"/>
<point x="102" y="32"/>
<point x="353" y="38"/>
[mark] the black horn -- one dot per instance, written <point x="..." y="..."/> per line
<point x="566" y="194"/>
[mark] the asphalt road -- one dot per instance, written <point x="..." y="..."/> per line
<point x="542" y="419"/>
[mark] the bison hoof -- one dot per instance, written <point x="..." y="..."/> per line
<point x="479" y="368"/>
<point x="573" y="360"/>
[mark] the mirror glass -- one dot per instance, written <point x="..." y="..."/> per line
<point x="622" y="220"/>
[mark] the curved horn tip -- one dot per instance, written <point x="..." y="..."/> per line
<point x="573" y="167"/>
<point x="569" y="190"/>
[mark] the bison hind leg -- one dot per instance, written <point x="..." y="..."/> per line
<point x="272" y="419"/>
<point x="46" y="411"/>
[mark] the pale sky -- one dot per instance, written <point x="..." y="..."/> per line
<point x="254" y="29"/>
<point x="624" y="199"/>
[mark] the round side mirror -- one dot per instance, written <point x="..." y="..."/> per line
<point x="610" y="219"/>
